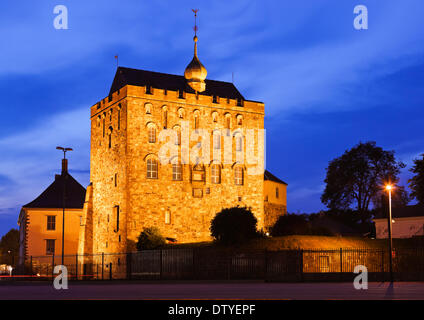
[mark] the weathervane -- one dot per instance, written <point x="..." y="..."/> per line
<point x="195" y="20"/>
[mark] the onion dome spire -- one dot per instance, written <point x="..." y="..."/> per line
<point x="195" y="73"/>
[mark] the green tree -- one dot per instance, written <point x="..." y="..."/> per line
<point x="9" y="247"/>
<point x="150" y="238"/>
<point x="417" y="182"/>
<point x="234" y="225"/>
<point x="356" y="177"/>
<point x="10" y="242"/>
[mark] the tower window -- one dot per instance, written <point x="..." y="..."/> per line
<point x="227" y="121"/>
<point x="165" y="118"/>
<point x="168" y="217"/>
<point x="215" y="174"/>
<point x="152" y="169"/>
<point x="216" y="140"/>
<point x="119" y="118"/>
<point x="238" y="176"/>
<point x="277" y="192"/>
<point x="177" y="170"/>
<point x="152" y="134"/>
<point x="239" y="143"/>
<point x="116" y="214"/>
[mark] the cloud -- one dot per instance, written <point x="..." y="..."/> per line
<point x="29" y="159"/>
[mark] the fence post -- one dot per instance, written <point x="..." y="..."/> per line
<point x="382" y="265"/>
<point x="53" y="265"/>
<point x="110" y="271"/>
<point x="76" y="266"/>
<point x="266" y="265"/>
<point x="103" y="265"/>
<point x="160" y="267"/>
<point x="31" y="271"/>
<point x="301" y="265"/>
<point x="129" y="265"/>
<point x="194" y="263"/>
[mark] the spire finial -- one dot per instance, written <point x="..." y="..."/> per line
<point x="195" y="30"/>
<point x="195" y="21"/>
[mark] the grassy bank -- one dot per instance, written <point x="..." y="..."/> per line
<point x="310" y="242"/>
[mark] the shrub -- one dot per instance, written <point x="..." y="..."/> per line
<point x="150" y="238"/>
<point x="290" y="224"/>
<point x="297" y="224"/>
<point x="234" y="225"/>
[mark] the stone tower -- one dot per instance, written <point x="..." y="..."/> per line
<point x="132" y="187"/>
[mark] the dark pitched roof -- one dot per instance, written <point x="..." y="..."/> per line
<point x="52" y="197"/>
<point x="404" y="212"/>
<point x="269" y="176"/>
<point x="127" y="76"/>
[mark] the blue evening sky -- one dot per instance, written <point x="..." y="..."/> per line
<point x="325" y="85"/>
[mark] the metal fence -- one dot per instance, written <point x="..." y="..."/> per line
<point x="226" y="264"/>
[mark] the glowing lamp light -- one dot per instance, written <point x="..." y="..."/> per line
<point x="389" y="187"/>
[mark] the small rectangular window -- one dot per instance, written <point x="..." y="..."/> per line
<point x="116" y="214"/>
<point x="50" y="246"/>
<point x="277" y="193"/>
<point x="197" y="193"/>
<point x="167" y="217"/>
<point x="51" y="222"/>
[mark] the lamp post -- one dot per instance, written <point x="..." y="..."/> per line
<point x="389" y="188"/>
<point x="64" y="173"/>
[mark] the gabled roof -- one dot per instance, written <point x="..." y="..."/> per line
<point x="52" y="197"/>
<point x="404" y="212"/>
<point x="127" y="76"/>
<point x="270" y="177"/>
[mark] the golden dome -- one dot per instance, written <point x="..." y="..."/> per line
<point x="195" y="73"/>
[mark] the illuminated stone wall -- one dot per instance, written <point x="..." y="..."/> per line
<point x="187" y="205"/>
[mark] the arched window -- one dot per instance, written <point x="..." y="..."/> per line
<point x="239" y="142"/>
<point x="119" y="117"/>
<point x="104" y="124"/>
<point x="216" y="174"/>
<point x="196" y="119"/>
<point x="148" y="108"/>
<point x="152" y="169"/>
<point x="228" y="121"/>
<point x="177" y="172"/>
<point x="239" y="120"/>
<point x="181" y="113"/>
<point x="177" y="131"/>
<point x="215" y="116"/>
<point x="198" y="173"/>
<point x="109" y="133"/>
<point x="165" y="117"/>
<point x="216" y="139"/>
<point x="238" y="175"/>
<point x="151" y="132"/>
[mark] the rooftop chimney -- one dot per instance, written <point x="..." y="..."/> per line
<point x="64" y="166"/>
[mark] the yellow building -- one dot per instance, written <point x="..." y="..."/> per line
<point x="40" y="221"/>
<point x="275" y="199"/>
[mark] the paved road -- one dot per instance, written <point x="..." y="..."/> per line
<point x="213" y="290"/>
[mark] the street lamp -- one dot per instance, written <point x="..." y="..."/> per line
<point x="64" y="173"/>
<point x="389" y="188"/>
